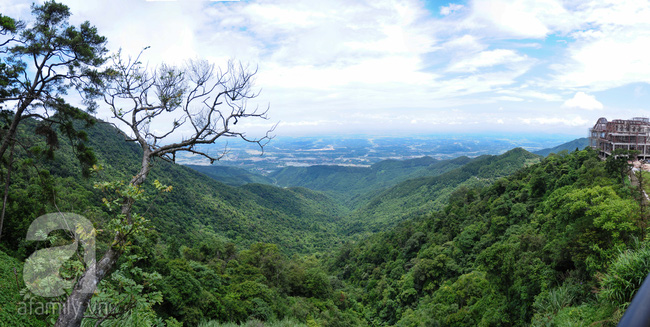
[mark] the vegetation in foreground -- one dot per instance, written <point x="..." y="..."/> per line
<point x="562" y="242"/>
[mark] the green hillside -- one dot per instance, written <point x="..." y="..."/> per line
<point x="100" y="224"/>
<point x="393" y="190"/>
<point x="420" y="196"/>
<point x="298" y="220"/>
<point x="354" y="185"/>
<point x="559" y="243"/>
<point x="579" y="144"/>
<point x="231" y="175"/>
<point x="493" y="241"/>
<point x="11" y="282"/>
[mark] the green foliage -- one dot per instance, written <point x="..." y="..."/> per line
<point x="258" y="283"/>
<point x="44" y="60"/>
<point x="13" y="311"/>
<point x="193" y="272"/>
<point x="51" y="35"/>
<point x="617" y="162"/>
<point x="597" y="218"/>
<point x="7" y="25"/>
<point x="528" y="248"/>
<point x="353" y="186"/>
<point x="625" y="275"/>
<point x="297" y="219"/>
<point x="586" y="315"/>
<point x="554" y="300"/>
<point x="232" y="175"/>
<point x="127" y="297"/>
<point x="476" y="245"/>
<point x="422" y="196"/>
<point x="255" y="323"/>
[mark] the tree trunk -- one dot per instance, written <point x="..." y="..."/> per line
<point x="72" y="312"/>
<point x="14" y="126"/>
<point x="6" y="192"/>
<point x="75" y="306"/>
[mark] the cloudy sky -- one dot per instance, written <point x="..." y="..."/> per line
<point x="405" y="67"/>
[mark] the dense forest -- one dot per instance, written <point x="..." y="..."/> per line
<point x="555" y="241"/>
<point x="514" y="239"/>
<point x="561" y="242"/>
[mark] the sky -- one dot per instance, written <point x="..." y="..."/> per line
<point x="386" y="67"/>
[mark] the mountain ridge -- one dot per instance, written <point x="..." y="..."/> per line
<point x="304" y="222"/>
<point x="420" y="196"/>
<point x="579" y="144"/>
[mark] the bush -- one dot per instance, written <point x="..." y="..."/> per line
<point x="625" y="276"/>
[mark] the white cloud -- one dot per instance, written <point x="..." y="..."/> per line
<point x="487" y="59"/>
<point x="582" y="100"/>
<point x="574" y="121"/>
<point x="15" y="9"/>
<point x="465" y="44"/>
<point x="531" y="94"/>
<point x="169" y="28"/>
<point x="520" y="18"/>
<point x="608" y="46"/>
<point x="602" y="60"/>
<point x="508" y="98"/>
<point x="321" y="60"/>
<point x="639" y="91"/>
<point x="452" y="7"/>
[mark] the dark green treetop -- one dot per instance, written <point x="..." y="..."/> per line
<point x="41" y="61"/>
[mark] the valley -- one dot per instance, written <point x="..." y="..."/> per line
<point x="378" y="244"/>
<point x="364" y="151"/>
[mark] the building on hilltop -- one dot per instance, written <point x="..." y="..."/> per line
<point x="631" y="134"/>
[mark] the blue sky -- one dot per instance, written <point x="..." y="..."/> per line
<point x="403" y="67"/>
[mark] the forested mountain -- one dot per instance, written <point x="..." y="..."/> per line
<point x="548" y="243"/>
<point x="10" y="296"/>
<point x="393" y="190"/>
<point x="559" y="243"/>
<point x="420" y="196"/>
<point x="354" y="185"/>
<point x="231" y="175"/>
<point x="297" y="219"/>
<point x="202" y="257"/>
<point x="100" y="228"/>
<point x="579" y="144"/>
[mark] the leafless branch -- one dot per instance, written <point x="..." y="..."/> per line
<point x="207" y="100"/>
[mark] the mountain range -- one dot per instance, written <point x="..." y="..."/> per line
<point x="488" y="240"/>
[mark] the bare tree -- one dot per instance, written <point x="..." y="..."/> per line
<point x="199" y="99"/>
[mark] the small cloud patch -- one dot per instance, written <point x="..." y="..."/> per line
<point x="582" y="100"/>
<point x="452" y="7"/>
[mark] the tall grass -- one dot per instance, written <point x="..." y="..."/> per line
<point x="625" y="276"/>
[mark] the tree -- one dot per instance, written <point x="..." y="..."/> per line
<point x="8" y="29"/>
<point x="60" y="56"/>
<point x="38" y="64"/>
<point x="641" y="198"/>
<point x="617" y="162"/>
<point x="199" y="97"/>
